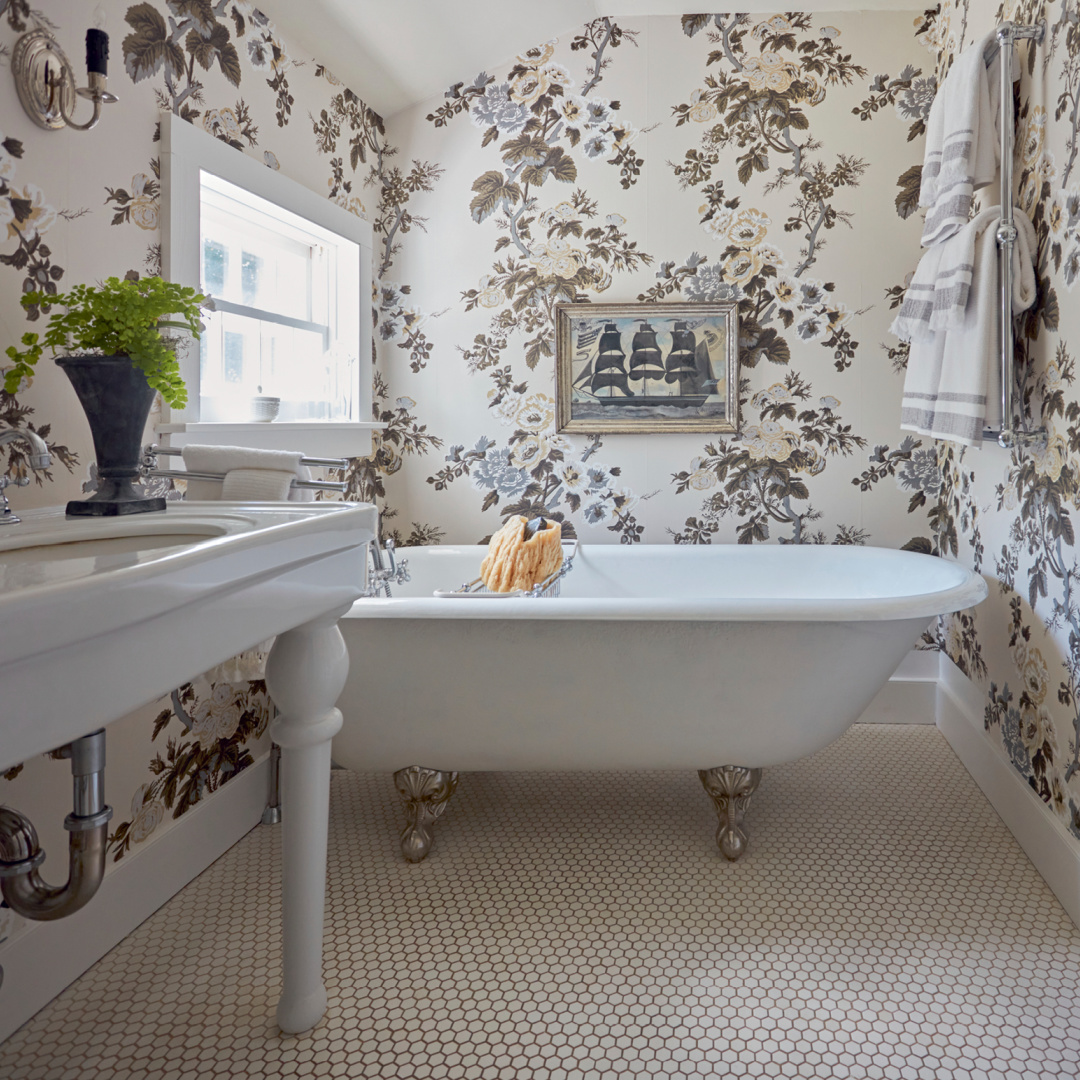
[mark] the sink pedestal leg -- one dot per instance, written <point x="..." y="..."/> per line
<point x="305" y="674"/>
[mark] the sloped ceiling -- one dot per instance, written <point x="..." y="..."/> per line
<point x="395" y="53"/>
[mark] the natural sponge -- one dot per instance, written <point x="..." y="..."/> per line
<point x="517" y="561"/>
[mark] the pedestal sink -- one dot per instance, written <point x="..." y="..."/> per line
<point x="100" y="616"/>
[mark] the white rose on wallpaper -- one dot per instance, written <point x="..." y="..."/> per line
<point x="777" y="394"/>
<point x="488" y="295"/>
<point x="218" y="715"/>
<point x="770" y="256"/>
<point x="718" y="222"/>
<point x="1031" y="137"/>
<point x="701" y="477"/>
<point x="143" y="207"/>
<point x="146" y="816"/>
<point x="769" y="71"/>
<point x="702" y="109"/>
<point x="222" y="124"/>
<point x="35" y="216"/>
<point x="506" y="409"/>
<point x="270" y="160"/>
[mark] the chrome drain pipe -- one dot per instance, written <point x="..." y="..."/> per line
<point x="22" y="886"/>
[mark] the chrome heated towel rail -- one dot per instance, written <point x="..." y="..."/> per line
<point x="1012" y="431"/>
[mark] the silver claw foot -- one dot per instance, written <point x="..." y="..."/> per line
<point x="426" y="793"/>
<point x="730" y="788"/>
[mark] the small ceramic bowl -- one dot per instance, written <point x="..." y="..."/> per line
<point x="265" y="409"/>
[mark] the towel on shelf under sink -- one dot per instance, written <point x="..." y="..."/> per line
<point x="962" y="138"/>
<point x="249" y="475"/>
<point x="952" y="389"/>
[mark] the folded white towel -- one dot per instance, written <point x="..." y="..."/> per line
<point x="962" y="139"/>
<point x="276" y="470"/>
<point x="937" y="295"/>
<point x="256" y="485"/>
<point x="953" y="385"/>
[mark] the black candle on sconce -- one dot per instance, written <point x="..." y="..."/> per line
<point x="97" y="51"/>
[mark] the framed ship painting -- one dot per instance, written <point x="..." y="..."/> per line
<point x="646" y="367"/>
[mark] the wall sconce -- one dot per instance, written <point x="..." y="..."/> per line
<point x="45" y="79"/>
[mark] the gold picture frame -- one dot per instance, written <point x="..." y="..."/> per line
<point x="625" y="368"/>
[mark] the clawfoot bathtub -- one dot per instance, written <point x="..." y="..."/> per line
<point x="726" y="659"/>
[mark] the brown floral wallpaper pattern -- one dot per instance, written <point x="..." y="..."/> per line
<point x="736" y="175"/>
<point x="1010" y="514"/>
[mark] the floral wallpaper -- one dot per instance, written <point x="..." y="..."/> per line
<point x="751" y="171"/>
<point x="1009" y="513"/>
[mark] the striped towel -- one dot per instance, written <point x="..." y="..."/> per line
<point x="962" y="139"/>
<point x="953" y="385"/>
<point x="937" y="295"/>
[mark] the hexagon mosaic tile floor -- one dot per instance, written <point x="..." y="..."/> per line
<point x="883" y="924"/>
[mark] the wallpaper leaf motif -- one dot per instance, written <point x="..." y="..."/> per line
<point x="554" y="252"/>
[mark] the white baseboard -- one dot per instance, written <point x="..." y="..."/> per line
<point x="910" y="696"/>
<point x="45" y="959"/>
<point x="1046" y="841"/>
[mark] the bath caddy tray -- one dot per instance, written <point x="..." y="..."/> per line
<point x="550" y="586"/>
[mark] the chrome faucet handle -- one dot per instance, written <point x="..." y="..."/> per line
<point x="7" y="517"/>
<point x="379" y="575"/>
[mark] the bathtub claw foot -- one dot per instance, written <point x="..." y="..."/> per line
<point x="730" y="788"/>
<point x="426" y="793"/>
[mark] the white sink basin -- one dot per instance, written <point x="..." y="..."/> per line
<point x="50" y="552"/>
<point x="100" y="616"/>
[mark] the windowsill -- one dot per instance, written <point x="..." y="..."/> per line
<point x="313" y="438"/>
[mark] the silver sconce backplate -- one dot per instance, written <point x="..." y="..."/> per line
<point x="36" y="61"/>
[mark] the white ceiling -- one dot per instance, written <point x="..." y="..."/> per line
<point x="395" y="53"/>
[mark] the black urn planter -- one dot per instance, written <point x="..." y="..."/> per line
<point x="116" y="398"/>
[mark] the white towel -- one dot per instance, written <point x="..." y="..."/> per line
<point x="256" y="485"/>
<point x="263" y="475"/>
<point x="962" y="139"/>
<point x="937" y="295"/>
<point x="953" y="385"/>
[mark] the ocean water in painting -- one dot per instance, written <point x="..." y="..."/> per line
<point x="649" y="368"/>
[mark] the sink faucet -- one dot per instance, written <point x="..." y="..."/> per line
<point x="39" y="458"/>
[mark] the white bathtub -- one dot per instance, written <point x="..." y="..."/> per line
<point x="652" y="657"/>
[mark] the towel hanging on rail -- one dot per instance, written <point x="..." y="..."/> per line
<point x="952" y="389"/>
<point x="937" y="295"/>
<point x="962" y="137"/>
<point x="261" y="474"/>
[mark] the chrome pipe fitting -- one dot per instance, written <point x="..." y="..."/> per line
<point x="21" y="854"/>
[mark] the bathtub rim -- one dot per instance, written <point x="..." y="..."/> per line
<point x="971" y="589"/>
